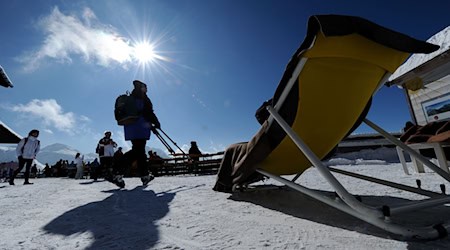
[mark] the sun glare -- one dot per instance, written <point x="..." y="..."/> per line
<point x="144" y="52"/>
<point x="148" y="58"/>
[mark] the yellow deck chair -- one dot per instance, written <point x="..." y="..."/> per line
<point x="324" y="94"/>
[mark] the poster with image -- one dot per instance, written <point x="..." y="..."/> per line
<point x="437" y="109"/>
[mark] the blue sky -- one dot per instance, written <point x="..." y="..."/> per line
<point x="213" y="63"/>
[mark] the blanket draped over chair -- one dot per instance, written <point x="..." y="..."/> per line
<point x="320" y="51"/>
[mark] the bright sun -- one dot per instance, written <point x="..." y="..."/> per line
<point x="144" y="52"/>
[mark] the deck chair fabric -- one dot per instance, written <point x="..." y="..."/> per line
<point x="4" y="79"/>
<point x="323" y="95"/>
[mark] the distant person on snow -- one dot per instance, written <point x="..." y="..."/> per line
<point x="33" y="171"/>
<point x="194" y="155"/>
<point x="194" y="152"/>
<point x="105" y="150"/>
<point x="26" y="150"/>
<point x="118" y="166"/>
<point x="79" y="165"/>
<point x="139" y="132"/>
<point x="47" y="170"/>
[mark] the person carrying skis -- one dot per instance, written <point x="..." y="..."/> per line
<point x="139" y="131"/>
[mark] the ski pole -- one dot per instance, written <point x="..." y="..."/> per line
<point x="174" y="143"/>
<point x="163" y="141"/>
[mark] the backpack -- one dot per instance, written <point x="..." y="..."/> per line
<point x="99" y="150"/>
<point x="125" y="110"/>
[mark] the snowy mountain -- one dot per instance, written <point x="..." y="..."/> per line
<point x="49" y="154"/>
<point x="55" y="152"/>
<point x="7" y="153"/>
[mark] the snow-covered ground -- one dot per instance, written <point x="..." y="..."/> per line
<point x="183" y="212"/>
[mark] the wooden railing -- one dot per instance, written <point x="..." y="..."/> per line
<point x="184" y="164"/>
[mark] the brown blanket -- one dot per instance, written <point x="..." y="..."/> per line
<point x="240" y="161"/>
<point x="432" y="132"/>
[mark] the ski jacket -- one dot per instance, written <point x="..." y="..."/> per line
<point x="105" y="147"/>
<point x="79" y="161"/>
<point x="28" y="147"/>
<point x="141" y="128"/>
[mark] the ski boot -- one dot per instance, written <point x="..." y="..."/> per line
<point x="118" y="180"/>
<point x="146" y="179"/>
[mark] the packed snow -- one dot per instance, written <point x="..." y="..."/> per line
<point x="183" y="212"/>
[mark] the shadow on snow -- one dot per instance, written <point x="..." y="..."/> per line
<point x="301" y="206"/>
<point x="126" y="219"/>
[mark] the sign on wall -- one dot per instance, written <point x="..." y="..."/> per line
<point x="437" y="109"/>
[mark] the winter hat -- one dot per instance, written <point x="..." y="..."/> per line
<point x="33" y="131"/>
<point x="138" y="84"/>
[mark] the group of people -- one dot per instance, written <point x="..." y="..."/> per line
<point x="138" y="133"/>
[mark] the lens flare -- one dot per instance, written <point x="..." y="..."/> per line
<point x="144" y="52"/>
